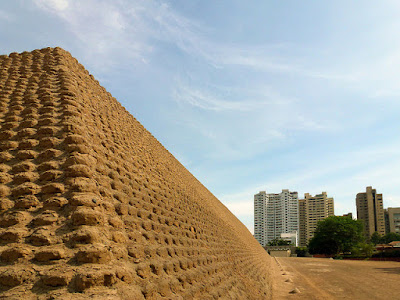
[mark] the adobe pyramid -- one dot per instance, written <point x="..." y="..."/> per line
<point x="93" y="206"/>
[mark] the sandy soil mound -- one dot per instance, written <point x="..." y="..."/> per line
<point x="92" y="205"/>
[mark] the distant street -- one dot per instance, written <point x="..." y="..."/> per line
<point x="319" y="278"/>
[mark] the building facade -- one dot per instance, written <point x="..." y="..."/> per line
<point x="292" y="238"/>
<point x="370" y="211"/>
<point x="387" y="222"/>
<point x="393" y="214"/>
<point x="260" y="217"/>
<point x="311" y="210"/>
<point x="274" y="215"/>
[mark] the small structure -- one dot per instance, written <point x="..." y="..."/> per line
<point x="392" y="246"/>
<point x="395" y="244"/>
<point x="383" y="247"/>
<point x="290" y="237"/>
<point x="281" y="251"/>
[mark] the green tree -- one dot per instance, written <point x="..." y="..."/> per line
<point x="278" y="242"/>
<point x="302" y="251"/>
<point x="363" y="249"/>
<point x="335" y="235"/>
<point x="390" y="237"/>
<point x="376" y="238"/>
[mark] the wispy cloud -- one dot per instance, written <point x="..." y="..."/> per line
<point x="241" y="121"/>
<point x="207" y="100"/>
<point x="134" y="28"/>
<point x="130" y="28"/>
<point x="269" y="58"/>
<point x="53" y="5"/>
<point x="107" y="31"/>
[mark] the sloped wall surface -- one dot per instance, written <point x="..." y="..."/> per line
<point x="93" y="206"/>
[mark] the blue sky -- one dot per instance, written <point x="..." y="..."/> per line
<point x="248" y="95"/>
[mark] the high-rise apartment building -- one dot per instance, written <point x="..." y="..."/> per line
<point x="387" y="222"/>
<point x="370" y="211"/>
<point x="260" y="217"/>
<point x="302" y="223"/>
<point x="275" y="214"/>
<point x="394" y="219"/>
<point x="311" y="210"/>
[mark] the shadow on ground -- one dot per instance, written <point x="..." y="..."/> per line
<point x="390" y="270"/>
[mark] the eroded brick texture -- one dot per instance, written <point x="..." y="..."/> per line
<point x="93" y="206"/>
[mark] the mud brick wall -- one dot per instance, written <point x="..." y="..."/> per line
<point x="92" y="205"/>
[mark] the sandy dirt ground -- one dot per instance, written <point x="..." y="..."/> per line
<point x="320" y="278"/>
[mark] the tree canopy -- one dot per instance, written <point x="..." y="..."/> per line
<point x="278" y="242"/>
<point x="376" y="238"/>
<point x="335" y="235"/>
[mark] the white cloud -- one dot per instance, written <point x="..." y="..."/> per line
<point x="205" y="100"/>
<point x="270" y="59"/>
<point x="242" y="121"/>
<point x="132" y="27"/>
<point x="135" y="26"/>
<point x="55" y="5"/>
<point x="108" y="32"/>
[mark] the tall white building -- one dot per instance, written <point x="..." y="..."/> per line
<point x="275" y="214"/>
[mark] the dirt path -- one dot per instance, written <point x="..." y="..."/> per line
<point x="319" y="278"/>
